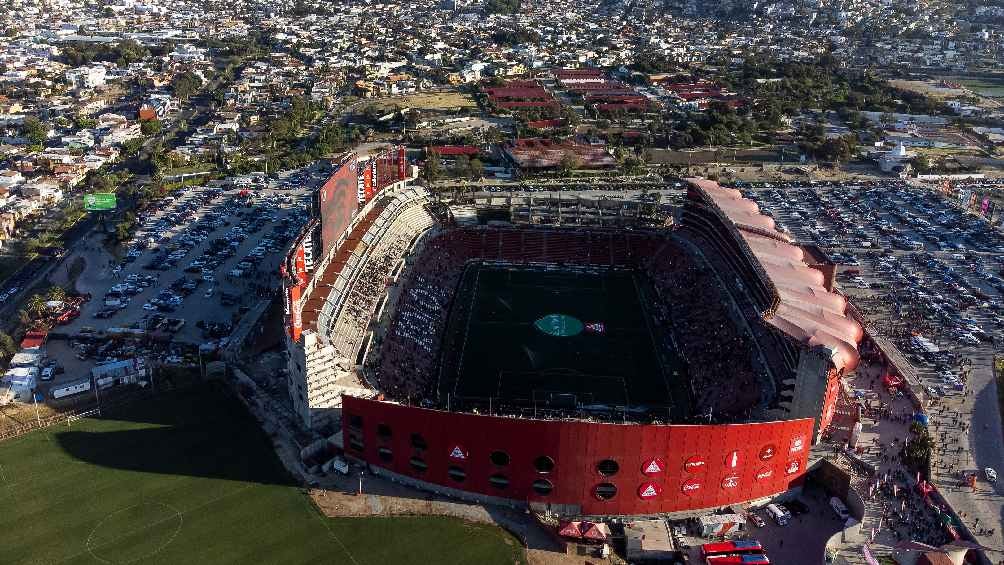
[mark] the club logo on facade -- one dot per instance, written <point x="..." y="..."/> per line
<point x="792" y="467"/>
<point x="458" y="453"/>
<point x="649" y="490"/>
<point x="764" y="474"/>
<point x="653" y="466"/>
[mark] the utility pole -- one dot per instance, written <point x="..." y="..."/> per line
<point x="34" y="400"/>
<point x="97" y="396"/>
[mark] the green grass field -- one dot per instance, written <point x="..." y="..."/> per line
<point x="992" y="87"/>
<point x="189" y="478"/>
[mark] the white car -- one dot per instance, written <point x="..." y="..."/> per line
<point x="991" y="474"/>
<point x="149" y="307"/>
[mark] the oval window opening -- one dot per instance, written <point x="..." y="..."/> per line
<point x="543" y="487"/>
<point x="543" y="464"/>
<point x="607" y="467"/>
<point x="605" y="491"/>
<point x="499" y="458"/>
<point x="418" y="442"/>
<point x="457" y="474"/>
<point x="418" y="465"/>
<point x="384" y="432"/>
<point x="356" y="422"/>
<point x="499" y="481"/>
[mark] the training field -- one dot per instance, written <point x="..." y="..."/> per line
<point x="557" y="338"/>
<point x="186" y="478"/>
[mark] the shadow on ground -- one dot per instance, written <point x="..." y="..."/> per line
<point x="200" y="431"/>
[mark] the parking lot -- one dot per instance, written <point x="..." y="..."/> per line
<point x="912" y="263"/>
<point x="927" y="278"/>
<point x="196" y="263"/>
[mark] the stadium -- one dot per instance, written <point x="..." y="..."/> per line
<point x="585" y="360"/>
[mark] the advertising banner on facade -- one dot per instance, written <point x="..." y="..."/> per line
<point x="301" y="266"/>
<point x="368" y="183"/>
<point x="337" y="203"/>
<point x="295" y="321"/>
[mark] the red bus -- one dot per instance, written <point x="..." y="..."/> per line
<point x="747" y="559"/>
<point x="731" y="548"/>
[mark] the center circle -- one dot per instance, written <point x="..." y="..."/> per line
<point x="134" y="533"/>
<point x="559" y="325"/>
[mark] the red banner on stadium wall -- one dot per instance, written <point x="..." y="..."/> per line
<point x="368" y="183"/>
<point x="301" y="266"/>
<point x="296" y="323"/>
<point x="402" y="163"/>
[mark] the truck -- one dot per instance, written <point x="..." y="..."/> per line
<point x="778" y="514"/>
<point x="336" y="464"/>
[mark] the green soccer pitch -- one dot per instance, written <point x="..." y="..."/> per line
<point x="188" y="477"/>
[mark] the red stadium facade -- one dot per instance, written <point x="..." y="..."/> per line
<point x="581" y="468"/>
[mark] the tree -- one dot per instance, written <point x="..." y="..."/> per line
<point x="633" y="165"/>
<point x="7" y="346"/>
<point x="83" y="122"/>
<point x="185" y="84"/>
<point x="36" y="305"/>
<point x="502" y="6"/>
<point x="461" y="166"/>
<point x="569" y="162"/>
<point x="150" y="127"/>
<point x="34" y="130"/>
<point x="923" y="164"/>
<point x="477" y="168"/>
<point x="433" y="167"/>
<point x="917" y="454"/>
<point x="131" y="146"/>
<point x="56" y="293"/>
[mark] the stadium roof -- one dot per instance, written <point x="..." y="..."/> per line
<point x="806" y="311"/>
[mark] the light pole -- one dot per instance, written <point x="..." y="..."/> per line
<point x="34" y="400"/>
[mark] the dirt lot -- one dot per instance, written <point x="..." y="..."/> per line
<point x="381" y="497"/>
<point x="444" y="101"/>
<point x="930" y="88"/>
<point x="935" y="89"/>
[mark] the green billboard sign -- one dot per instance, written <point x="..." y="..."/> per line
<point x="99" y="201"/>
